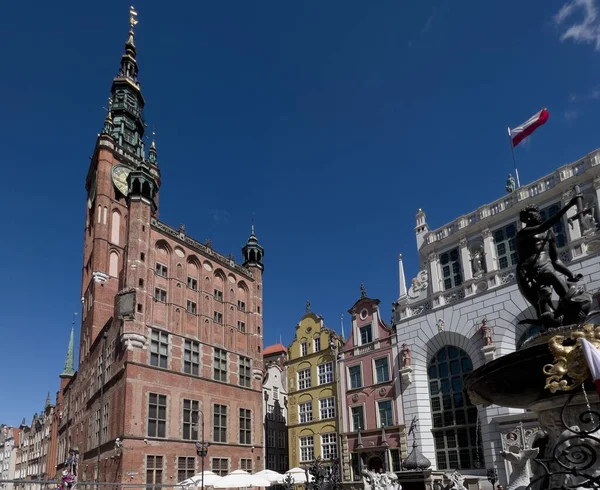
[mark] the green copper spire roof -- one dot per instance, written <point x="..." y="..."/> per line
<point x="69" y="369"/>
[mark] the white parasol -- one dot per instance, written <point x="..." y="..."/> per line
<point x="241" y="479"/>
<point x="270" y="475"/>
<point x="299" y="475"/>
<point x="210" y="479"/>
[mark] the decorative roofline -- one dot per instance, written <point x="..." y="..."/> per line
<point x="199" y="247"/>
<point x="540" y="186"/>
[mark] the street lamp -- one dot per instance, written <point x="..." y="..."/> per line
<point x="492" y="476"/>
<point x="201" y="445"/>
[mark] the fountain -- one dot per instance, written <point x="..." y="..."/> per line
<point x="549" y="374"/>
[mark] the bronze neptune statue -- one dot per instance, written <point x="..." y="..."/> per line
<point x="540" y="271"/>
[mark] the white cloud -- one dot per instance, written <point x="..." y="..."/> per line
<point x="584" y="30"/>
<point x="570" y="115"/>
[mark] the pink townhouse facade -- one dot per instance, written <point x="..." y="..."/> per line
<point x="373" y="426"/>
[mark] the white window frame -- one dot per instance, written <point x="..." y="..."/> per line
<point x="329" y="447"/>
<point x="305" y="412"/>
<point x="362" y="407"/>
<point x="381" y="400"/>
<point x="375" y="375"/>
<point x="317" y="343"/>
<point x="369" y="325"/>
<point x="327" y="407"/>
<point x="304" y="382"/>
<point x="303" y="349"/>
<point x="307" y="448"/>
<point x="325" y="372"/>
<point x="362" y="381"/>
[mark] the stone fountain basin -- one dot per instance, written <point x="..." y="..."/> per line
<point x="516" y="380"/>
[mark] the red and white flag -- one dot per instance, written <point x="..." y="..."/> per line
<point x="521" y="132"/>
<point x="592" y="357"/>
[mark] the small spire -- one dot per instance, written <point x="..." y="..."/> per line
<point x="108" y="121"/>
<point x="363" y="291"/>
<point x="48" y="401"/>
<point x="152" y="155"/>
<point x="132" y="23"/>
<point x="308" y="307"/>
<point x="252" y="232"/>
<point x="69" y="369"/>
<point x="129" y="67"/>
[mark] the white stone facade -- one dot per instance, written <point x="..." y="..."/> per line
<point x="9" y="439"/>
<point x="467" y="276"/>
<point x="275" y="415"/>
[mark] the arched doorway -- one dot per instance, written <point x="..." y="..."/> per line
<point x="375" y="464"/>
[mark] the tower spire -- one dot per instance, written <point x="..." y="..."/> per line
<point x="127" y="101"/>
<point x="152" y="154"/>
<point x="69" y="369"/>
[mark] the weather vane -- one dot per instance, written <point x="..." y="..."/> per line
<point x="132" y="18"/>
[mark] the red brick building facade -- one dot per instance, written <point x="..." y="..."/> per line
<point x="171" y="333"/>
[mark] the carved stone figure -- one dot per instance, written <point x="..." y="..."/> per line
<point x="380" y="481"/>
<point x="477" y="257"/>
<point x="539" y="271"/>
<point x="406" y="356"/>
<point x="486" y="331"/>
<point x="519" y="477"/>
<point x="584" y="214"/>
<point x="511" y="185"/>
<point x="440" y="325"/>
<point x="418" y="284"/>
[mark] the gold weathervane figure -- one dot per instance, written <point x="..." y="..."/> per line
<point x="132" y="18"/>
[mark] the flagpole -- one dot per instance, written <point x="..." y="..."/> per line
<point x="512" y="150"/>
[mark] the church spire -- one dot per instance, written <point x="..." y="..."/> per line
<point x="127" y="102"/>
<point x="69" y="369"/>
<point x="152" y="155"/>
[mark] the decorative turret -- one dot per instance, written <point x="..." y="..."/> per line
<point x="253" y="253"/>
<point x="48" y="401"/>
<point x="108" y="122"/>
<point x="152" y="155"/>
<point x="143" y="185"/>
<point x="127" y="101"/>
<point x="421" y="229"/>
<point x="69" y="369"/>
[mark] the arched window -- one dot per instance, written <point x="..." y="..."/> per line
<point x="454" y="417"/>
<point x="113" y="268"/>
<point x="115" y="230"/>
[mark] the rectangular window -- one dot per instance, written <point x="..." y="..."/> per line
<point x="220" y="365"/>
<point x="358" y="418"/>
<point x="271" y="438"/>
<point x="191" y="357"/>
<point x="97" y="427"/>
<point x="354" y="373"/>
<point x="186" y="467"/>
<point x="157" y="415"/>
<point x="242" y="327"/>
<point x="244" y="372"/>
<point x="396" y="463"/>
<point x="190" y="420"/>
<point x="241" y="306"/>
<point x="160" y="295"/>
<point x="275" y="393"/>
<point x="307" y="449"/>
<point x="366" y="335"/>
<point x="220" y="466"/>
<point x="304" y="379"/>
<point x="271" y="462"/>
<point x="305" y="412"/>
<point x="105" y="423"/>
<point x="245" y="426"/>
<point x="246" y="464"/>
<point x="218" y="317"/>
<point x="329" y="445"/>
<point x="161" y="269"/>
<point x="386" y="414"/>
<point x="382" y="370"/>
<point x="191" y="307"/>
<point x="558" y="228"/>
<point x="327" y="408"/>
<point x="506" y="246"/>
<point x="159" y="349"/>
<point x="270" y="412"/>
<point x="317" y="344"/>
<point x="281" y="439"/>
<point x="451" y="270"/>
<point x="154" y="471"/>
<point x="218" y="295"/>
<point x="220" y="423"/>
<point x="303" y="349"/>
<point x="325" y="373"/>
<point x="192" y="284"/>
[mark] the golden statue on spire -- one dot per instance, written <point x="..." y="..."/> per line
<point x="132" y="18"/>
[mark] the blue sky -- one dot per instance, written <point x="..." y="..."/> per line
<point x="332" y="121"/>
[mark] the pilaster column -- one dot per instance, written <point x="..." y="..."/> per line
<point x="434" y="273"/>
<point x="491" y="257"/>
<point x="465" y="258"/>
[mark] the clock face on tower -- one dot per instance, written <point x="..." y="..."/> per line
<point x="119" y="178"/>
